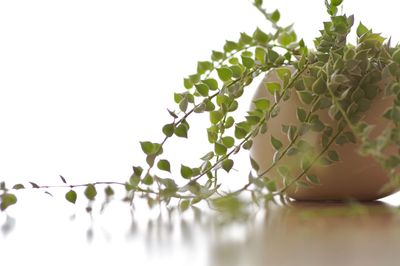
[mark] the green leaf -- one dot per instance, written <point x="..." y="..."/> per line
<point x="283" y="171"/>
<point x="147" y="147"/>
<point x="286" y="38"/>
<point x="222" y="99"/>
<point x="71" y="196"/>
<point x="336" y="2"/>
<point x="319" y="86"/>
<point x="18" y="186"/>
<point x="184" y="205"/>
<point x="292" y="151"/>
<point x="301" y="114"/>
<point x="186" y="172"/>
<point x="234" y="61"/>
<point x="233" y="106"/>
<point x="393" y="113"/>
<point x="247" y="145"/>
<point x="216" y="116"/>
<point x="253" y="119"/>
<point x="246" y="39"/>
<point x="227" y="165"/>
<point x="220" y="149"/>
<point x="200" y="108"/>
<point x="240" y="132"/>
<point x="194" y="78"/>
<point x="183" y="104"/>
<point x="254" y="164"/>
<point x="230" y="46"/>
<point x="237" y="70"/>
<point x="212" y="134"/>
<point x="340" y="24"/>
<point x="317" y="125"/>
<point x="260" y="55"/>
<point x="168" y="130"/>
<point x="277" y="144"/>
<point x="313" y="179"/>
<point x="391" y="162"/>
<point x="361" y="30"/>
<point x="208" y="156"/>
<point x="187" y="83"/>
<point x="260" y="36"/>
<point x="272" y="87"/>
<point x="202" y="89"/>
<point x="332" y="155"/>
<point x="247" y="61"/>
<point x="299" y="85"/>
<point x="275" y="16"/>
<point x="203" y="66"/>
<point x="258" y="3"/>
<point x="109" y="191"/>
<point x="224" y="73"/>
<point x="134" y="180"/>
<point x="228" y="141"/>
<point x="137" y="170"/>
<point x="331" y="9"/>
<point x="181" y="131"/>
<point x="217" y="56"/>
<point x="271" y="186"/>
<point x="229" y="122"/>
<point x="272" y="55"/>
<point x="308" y="81"/>
<point x="305" y="97"/>
<point x="209" y="105"/>
<point x="396" y="56"/>
<point x="90" y="192"/>
<point x="7" y="199"/>
<point x="164" y="165"/>
<point x="148" y="180"/>
<point x="262" y="104"/>
<point x="211" y="83"/>
<point x="284" y="74"/>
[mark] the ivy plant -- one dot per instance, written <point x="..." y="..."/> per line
<point x="334" y="76"/>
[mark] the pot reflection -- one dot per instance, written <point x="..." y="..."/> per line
<point x="318" y="234"/>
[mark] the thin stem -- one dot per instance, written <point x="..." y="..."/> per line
<point x="342" y="111"/>
<point x="316" y="158"/>
<point x="292" y="142"/>
<point x="78" y="185"/>
<point x="219" y="137"/>
<point x="250" y="134"/>
<point x="268" y="17"/>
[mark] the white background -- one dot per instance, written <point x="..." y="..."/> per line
<point x="81" y="82"/>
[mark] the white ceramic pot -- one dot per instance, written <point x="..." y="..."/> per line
<point x="353" y="177"/>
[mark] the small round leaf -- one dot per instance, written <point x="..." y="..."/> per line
<point x="71" y="196"/>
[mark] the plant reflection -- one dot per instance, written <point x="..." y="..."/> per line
<point x="299" y="233"/>
<point x="8" y="225"/>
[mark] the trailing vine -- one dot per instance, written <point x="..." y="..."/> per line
<point x="335" y="77"/>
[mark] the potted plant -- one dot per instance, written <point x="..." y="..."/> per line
<point x="324" y="123"/>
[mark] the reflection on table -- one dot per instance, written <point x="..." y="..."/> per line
<point x="300" y="233"/>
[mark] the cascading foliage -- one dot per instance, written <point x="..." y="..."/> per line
<point x="336" y="77"/>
